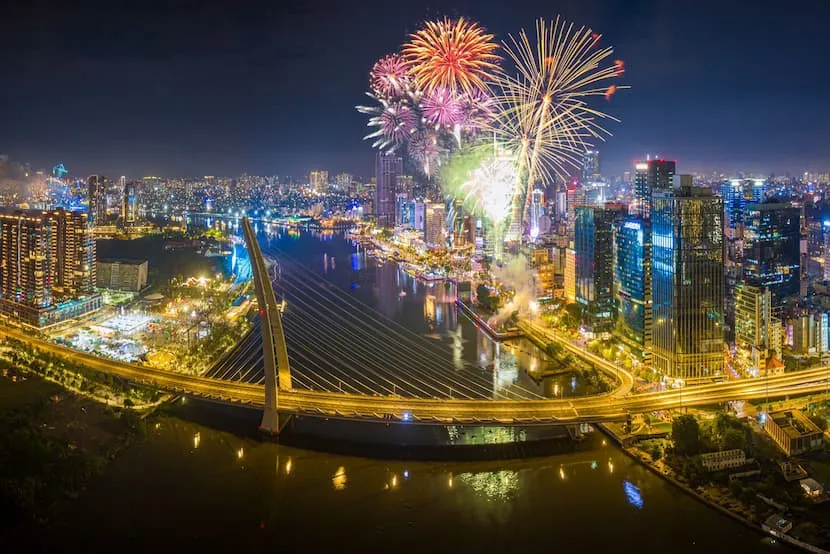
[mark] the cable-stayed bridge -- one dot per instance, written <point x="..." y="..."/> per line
<point x="333" y="363"/>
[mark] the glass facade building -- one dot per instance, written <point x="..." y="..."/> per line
<point x="688" y="284"/>
<point x="632" y="267"/>
<point x="594" y="265"/>
<point x="772" y="254"/>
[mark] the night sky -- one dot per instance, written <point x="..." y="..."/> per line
<point x="193" y="88"/>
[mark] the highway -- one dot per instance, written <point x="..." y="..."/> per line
<point x="598" y="408"/>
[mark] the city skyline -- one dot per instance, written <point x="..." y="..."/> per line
<point x="137" y="103"/>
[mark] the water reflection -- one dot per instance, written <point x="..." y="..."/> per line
<point x="338" y="481"/>
<point x="492" y="485"/>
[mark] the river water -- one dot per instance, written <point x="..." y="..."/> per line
<point x="200" y="482"/>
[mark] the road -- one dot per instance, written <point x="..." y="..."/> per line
<point x="606" y="407"/>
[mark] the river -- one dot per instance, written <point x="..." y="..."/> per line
<point x="201" y="482"/>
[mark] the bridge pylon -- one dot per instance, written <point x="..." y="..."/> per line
<point x="274" y="350"/>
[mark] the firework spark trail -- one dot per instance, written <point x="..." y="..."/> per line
<point x="454" y="54"/>
<point x="543" y="112"/>
<point x="442" y="107"/>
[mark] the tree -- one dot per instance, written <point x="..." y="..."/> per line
<point x="820" y="421"/>
<point x="734" y="439"/>
<point x="686" y="434"/>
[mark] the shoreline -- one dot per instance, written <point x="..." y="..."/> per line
<point x="636" y="456"/>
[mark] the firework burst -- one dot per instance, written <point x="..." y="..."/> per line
<point x="423" y="149"/>
<point x="394" y="123"/>
<point x="442" y="107"/>
<point x="389" y="76"/>
<point x="489" y="187"/>
<point x="543" y="111"/>
<point x="454" y="54"/>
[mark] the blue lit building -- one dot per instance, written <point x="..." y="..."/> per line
<point x="594" y="265"/>
<point x="734" y="203"/>
<point x="772" y="249"/>
<point x="633" y="284"/>
<point x="688" y="284"/>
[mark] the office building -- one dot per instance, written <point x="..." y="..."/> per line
<point x="388" y="171"/>
<point x="651" y="176"/>
<point x="772" y="249"/>
<point x="435" y="216"/>
<point x="757" y="331"/>
<point x="97" y="198"/>
<point x="319" y="181"/>
<point x="826" y="228"/>
<point x="590" y="167"/>
<point x="47" y="266"/>
<point x="129" y="204"/>
<point x="594" y="271"/>
<point x="569" y="278"/>
<point x="128" y="275"/>
<point x="687" y="284"/>
<point x="633" y="284"/>
<point x="401" y="208"/>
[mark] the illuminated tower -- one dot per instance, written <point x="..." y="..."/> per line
<point x="389" y="168"/>
<point x="687" y="283"/>
<point x="772" y="254"/>
<point x="590" y="167"/>
<point x="632" y="271"/>
<point x="97" y="198"/>
<point x="594" y="256"/>
<point x="319" y="181"/>
<point x="129" y="203"/>
<point x="826" y="227"/>
<point x="651" y="176"/>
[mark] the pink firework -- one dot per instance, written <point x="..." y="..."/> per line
<point x="397" y="123"/>
<point x="389" y="76"/>
<point x="442" y="107"/>
<point x="477" y="110"/>
<point x="423" y="148"/>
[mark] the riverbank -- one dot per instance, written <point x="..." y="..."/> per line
<point x="743" y="513"/>
<point x="53" y="443"/>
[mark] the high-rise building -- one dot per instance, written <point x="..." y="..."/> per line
<point x="319" y="181"/>
<point x="569" y="278"/>
<point x="594" y="254"/>
<point x="755" y="327"/>
<point x="826" y="227"/>
<point x="651" y="176"/>
<point x="590" y="167"/>
<point x="772" y="249"/>
<point x="47" y="266"/>
<point x="633" y="284"/>
<point x="434" y="225"/>
<point x="97" y="197"/>
<point x="129" y="203"/>
<point x="687" y="283"/>
<point x="343" y="182"/>
<point x="575" y="197"/>
<point x="401" y="208"/>
<point x="389" y="168"/>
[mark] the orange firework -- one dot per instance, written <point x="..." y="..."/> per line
<point x="454" y="54"/>
<point x="610" y="92"/>
<point x="620" y="65"/>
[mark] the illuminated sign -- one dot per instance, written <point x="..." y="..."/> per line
<point x="636" y="226"/>
<point x="641" y="166"/>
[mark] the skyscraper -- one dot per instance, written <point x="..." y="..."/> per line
<point x="129" y="203"/>
<point x="687" y="283"/>
<point x="47" y="259"/>
<point x="434" y="225"/>
<point x="826" y="228"/>
<point x="319" y="181"/>
<point x="772" y="250"/>
<point x="594" y="256"/>
<point x="388" y="171"/>
<point x="651" y="176"/>
<point x="590" y="167"/>
<point x="633" y="284"/>
<point x="97" y="198"/>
